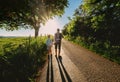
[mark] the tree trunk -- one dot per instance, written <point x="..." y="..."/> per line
<point x="36" y="32"/>
<point x="36" y="27"/>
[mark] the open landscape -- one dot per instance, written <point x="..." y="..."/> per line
<point x="59" y="40"/>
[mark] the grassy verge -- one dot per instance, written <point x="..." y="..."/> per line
<point x="101" y="48"/>
<point x="20" y="58"/>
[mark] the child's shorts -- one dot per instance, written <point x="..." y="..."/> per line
<point x="48" y="47"/>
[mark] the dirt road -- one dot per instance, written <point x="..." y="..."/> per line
<point x="77" y="64"/>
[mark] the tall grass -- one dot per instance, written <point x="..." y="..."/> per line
<point x="20" y="58"/>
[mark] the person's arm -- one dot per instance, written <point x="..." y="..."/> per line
<point x="54" y="38"/>
<point x="51" y="42"/>
<point x="61" y="35"/>
<point x="47" y="42"/>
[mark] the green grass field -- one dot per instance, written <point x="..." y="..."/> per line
<point x="14" y="42"/>
<point x="20" y="58"/>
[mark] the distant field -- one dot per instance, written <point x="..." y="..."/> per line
<point x="11" y="41"/>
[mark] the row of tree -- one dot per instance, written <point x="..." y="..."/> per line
<point x="96" y="23"/>
<point x="16" y="14"/>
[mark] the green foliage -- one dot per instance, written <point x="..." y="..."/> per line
<point x="95" y="25"/>
<point x="21" y="58"/>
<point x="29" y="13"/>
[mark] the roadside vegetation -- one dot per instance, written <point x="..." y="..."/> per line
<point x="96" y="26"/>
<point x="21" y="58"/>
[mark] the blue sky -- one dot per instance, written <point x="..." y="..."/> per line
<point x="51" y="25"/>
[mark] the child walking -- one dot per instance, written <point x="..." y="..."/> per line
<point x="49" y="45"/>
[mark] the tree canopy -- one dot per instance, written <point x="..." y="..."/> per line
<point x="29" y="12"/>
<point x="96" y="24"/>
<point x="101" y="16"/>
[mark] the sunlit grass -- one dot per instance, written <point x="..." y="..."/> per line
<point x="23" y="54"/>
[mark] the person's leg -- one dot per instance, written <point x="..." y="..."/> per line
<point x="50" y="50"/>
<point x="47" y="50"/>
<point x="59" y="48"/>
<point x="55" y="49"/>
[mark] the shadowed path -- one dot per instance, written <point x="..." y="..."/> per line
<point x="77" y="64"/>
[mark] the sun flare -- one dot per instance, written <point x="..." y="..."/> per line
<point x="50" y="27"/>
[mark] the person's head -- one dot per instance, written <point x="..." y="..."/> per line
<point x="48" y="36"/>
<point x="58" y="30"/>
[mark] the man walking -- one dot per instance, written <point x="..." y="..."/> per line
<point x="57" y="38"/>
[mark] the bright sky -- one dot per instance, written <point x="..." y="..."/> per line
<point x="50" y="26"/>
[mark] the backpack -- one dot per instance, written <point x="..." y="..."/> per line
<point x="58" y="37"/>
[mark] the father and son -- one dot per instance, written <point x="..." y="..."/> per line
<point x="57" y="42"/>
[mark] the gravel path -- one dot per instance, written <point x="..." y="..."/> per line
<point x="77" y="64"/>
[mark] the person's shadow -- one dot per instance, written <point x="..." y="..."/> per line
<point x="50" y="77"/>
<point x="61" y="66"/>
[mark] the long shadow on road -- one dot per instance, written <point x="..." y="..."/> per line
<point x="50" y="77"/>
<point x="59" y="60"/>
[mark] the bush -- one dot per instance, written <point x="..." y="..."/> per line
<point x="20" y="62"/>
<point x="103" y="48"/>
